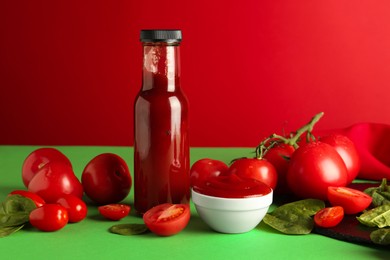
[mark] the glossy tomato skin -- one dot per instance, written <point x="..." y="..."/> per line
<point x="279" y="156"/>
<point x="38" y="201"/>
<point x="49" y="217"/>
<point x="106" y="179"/>
<point x="167" y="219"/>
<point x="37" y="159"/>
<point x="115" y="211"/>
<point x="205" y="168"/>
<point x="55" y="180"/>
<point x="353" y="201"/>
<point x="348" y="152"/>
<point x="313" y="168"/>
<point x="329" y="217"/>
<point x="76" y="207"/>
<point x="258" y="169"/>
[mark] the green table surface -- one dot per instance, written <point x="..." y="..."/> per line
<point x="90" y="238"/>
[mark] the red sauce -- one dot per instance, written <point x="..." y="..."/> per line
<point x="161" y="146"/>
<point x="232" y="186"/>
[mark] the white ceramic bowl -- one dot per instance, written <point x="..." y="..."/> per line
<point x="227" y="215"/>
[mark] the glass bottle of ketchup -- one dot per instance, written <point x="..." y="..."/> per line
<point x="161" y="145"/>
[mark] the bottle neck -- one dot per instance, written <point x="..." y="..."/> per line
<point x="161" y="66"/>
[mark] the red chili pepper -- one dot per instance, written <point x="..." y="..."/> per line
<point x="372" y="141"/>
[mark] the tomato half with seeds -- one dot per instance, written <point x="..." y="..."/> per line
<point x="329" y="217"/>
<point x="353" y="201"/>
<point x="167" y="219"/>
<point x="115" y="211"/>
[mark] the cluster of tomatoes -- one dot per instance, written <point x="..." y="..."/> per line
<point x="58" y="194"/>
<point x="318" y="168"/>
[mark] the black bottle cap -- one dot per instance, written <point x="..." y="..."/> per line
<point x="160" y="36"/>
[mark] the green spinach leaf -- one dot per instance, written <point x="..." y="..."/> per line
<point x="380" y="195"/>
<point x="376" y="217"/>
<point x="381" y="236"/>
<point x="129" y="229"/>
<point x="294" y="218"/>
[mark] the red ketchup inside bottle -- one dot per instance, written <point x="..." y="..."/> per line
<point x="161" y="145"/>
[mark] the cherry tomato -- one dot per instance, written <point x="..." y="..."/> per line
<point x="203" y="169"/>
<point x="329" y="217"/>
<point x="106" y="179"/>
<point x="348" y="152"/>
<point x="313" y="168"/>
<point x="167" y="219"/>
<point x="38" y="159"/>
<point x="114" y="211"/>
<point x="55" y="180"/>
<point x="76" y="207"/>
<point x="49" y="217"/>
<point x="39" y="202"/>
<point x="353" y="201"/>
<point x="258" y="169"/>
<point x="279" y="156"/>
<point x="232" y="186"/>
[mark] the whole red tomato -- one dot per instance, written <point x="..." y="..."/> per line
<point x="106" y="179"/>
<point x="55" y="180"/>
<point x="49" y="217"/>
<point x="38" y="159"/>
<point x="76" y="207"/>
<point x="203" y="169"/>
<point x="313" y="168"/>
<point x="38" y="201"/>
<point x="258" y="169"/>
<point x="279" y="156"/>
<point x="347" y="150"/>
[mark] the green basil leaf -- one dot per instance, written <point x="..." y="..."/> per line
<point x="15" y="210"/>
<point x="6" y="231"/>
<point x="129" y="229"/>
<point x="376" y="217"/>
<point x="381" y="236"/>
<point x="294" y="218"/>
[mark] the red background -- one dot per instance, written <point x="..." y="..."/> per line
<point x="70" y="70"/>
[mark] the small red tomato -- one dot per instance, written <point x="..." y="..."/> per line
<point x="353" y="201"/>
<point x="203" y="169"/>
<point x="114" y="211"/>
<point x="329" y="217"/>
<point x="39" y="202"/>
<point x="76" y="207"/>
<point x="258" y="169"/>
<point x="55" y="180"/>
<point x="348" y="152"/>
<point x="38" y="159"/>
<point x="167" y="219"/>
<point x="279" y="156"/>
<point x="106" y="179"/>
<point x="49" y="217"/>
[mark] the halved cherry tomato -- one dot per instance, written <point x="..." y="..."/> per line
<point x="49" y="217"/>
<point x="114" y="211"/>
<point x="353" y="201"/>
<point x="205" y="168"/>
<point x="329" y="217"/>
<point x="39" y="202"/>
<point x="167" y="219"/>
<point x="76" y="207"/>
